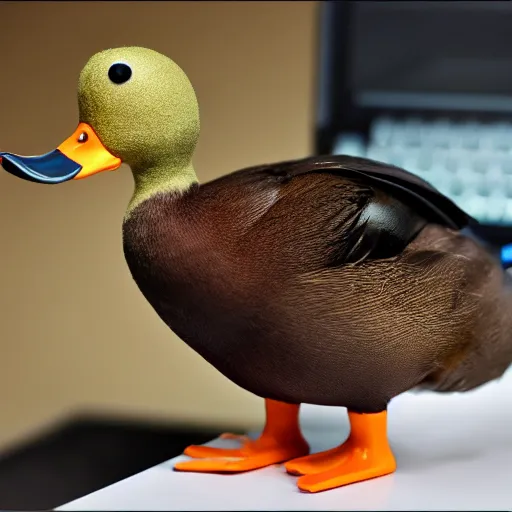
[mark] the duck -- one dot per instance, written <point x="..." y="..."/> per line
<point x="330" y="280"/>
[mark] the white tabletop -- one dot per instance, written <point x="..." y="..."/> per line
<point x="453" y="452"/>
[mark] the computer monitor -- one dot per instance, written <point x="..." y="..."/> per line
<point x="426" y="86"/>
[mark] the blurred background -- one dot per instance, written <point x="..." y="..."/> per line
<point x="85" y="364"/>
<point x="76" y="335"/>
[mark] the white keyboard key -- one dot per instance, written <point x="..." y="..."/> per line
<point x="502" y="142"/>
<point x="377" y="153"/>
<point x="484" y="188"/>
<point x="507" y="215"/>
<point x="381" y="131"/>
<point x="443" y="183"/>
<point x="506" y="164"/>
<point x="456" y="187"/>
<point x="350" y="144"/>
<point x="480" y="163"/>
<point x="496" y="208"/>
<point x="470" y="140"/>
<point x="411" y="134"/>
<point x="461" y="202"/>
<point x="410" y="159"/>
<point x="424" y="160"/>
<point x="396" y="158"/>
<point x="476" y="206"/>
<point x="471" y="180"/>
<point x="454" y="160"/>
<point x="486" y="142"/>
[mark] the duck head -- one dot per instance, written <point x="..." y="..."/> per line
<point x="137" y="107"/>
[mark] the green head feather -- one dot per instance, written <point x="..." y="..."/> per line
<point x="151" y="121"/>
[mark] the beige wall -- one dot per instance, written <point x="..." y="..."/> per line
<point x="75" y="333"/>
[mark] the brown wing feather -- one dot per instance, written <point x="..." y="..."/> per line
<point x="401" y="184"/>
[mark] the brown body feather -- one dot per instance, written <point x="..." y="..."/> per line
<point x="247" y="271"/>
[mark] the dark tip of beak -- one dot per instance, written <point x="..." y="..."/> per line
<point x="51" y="168"/>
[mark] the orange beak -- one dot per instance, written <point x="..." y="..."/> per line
<point x="85" y="148"/>
<point x="79" y="156"/>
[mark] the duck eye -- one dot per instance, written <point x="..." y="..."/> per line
<point x="119" y="73"/>
<point x="83" y="137"/>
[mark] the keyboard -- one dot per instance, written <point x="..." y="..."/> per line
<point x="468" y="161"/>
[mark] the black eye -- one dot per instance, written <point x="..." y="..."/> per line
<point x="119" y="73"/>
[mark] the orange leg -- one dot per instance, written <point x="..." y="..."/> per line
<point x="365" y="454"/>
<point x="280" y="441"/>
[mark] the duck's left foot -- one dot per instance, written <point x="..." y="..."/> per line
<point x="280" y="441"/>
<point x="366" y="454"/>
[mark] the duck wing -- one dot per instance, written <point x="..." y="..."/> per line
<point x="400" y="204"/>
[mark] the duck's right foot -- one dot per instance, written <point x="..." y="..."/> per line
<point x="253" y="454"/>
<point x="280" y="441"/>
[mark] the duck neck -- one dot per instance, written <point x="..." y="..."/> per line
<point x="163" y="178"/>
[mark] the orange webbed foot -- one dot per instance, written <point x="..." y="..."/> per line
<point x="280" y="441"/>
<point x="252" y="454"/>
<point x="208" y="452"/>
<point x="315" y="463"/>
<point x="365" y="455"/>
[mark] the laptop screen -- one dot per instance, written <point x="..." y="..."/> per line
<point x="432" y="52"/>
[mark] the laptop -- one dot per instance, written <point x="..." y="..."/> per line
<point x="426" y="86"/>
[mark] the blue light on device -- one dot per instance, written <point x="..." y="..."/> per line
<point x="506" y="255"/>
